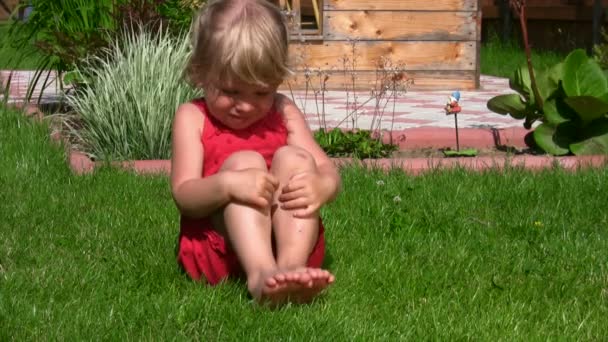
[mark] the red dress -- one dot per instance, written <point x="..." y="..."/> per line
<point x="202" y="251"/>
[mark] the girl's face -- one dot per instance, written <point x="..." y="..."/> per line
<point x="238" y="105"/>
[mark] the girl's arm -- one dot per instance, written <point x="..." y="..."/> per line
<point x="300" y="135"/>
<point x="194" y="196"/>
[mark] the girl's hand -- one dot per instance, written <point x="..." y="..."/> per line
<point x="252" y="186"/>
<point x="305" y="194"/>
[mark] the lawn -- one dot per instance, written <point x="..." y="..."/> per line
<point x="503" y="58"/>
<point x="448" y="255"/>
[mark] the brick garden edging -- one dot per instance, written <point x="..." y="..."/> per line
<point x="81" y="164"/>
<point x="414" y="138"/>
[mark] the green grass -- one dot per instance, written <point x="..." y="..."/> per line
<point x="11" y="58"/>
<point x="502" y="58"/>
<point x="508" y="255"/>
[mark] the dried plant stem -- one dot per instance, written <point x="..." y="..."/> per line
<point x="354" y="111"/>
<point x="390" y="136"/>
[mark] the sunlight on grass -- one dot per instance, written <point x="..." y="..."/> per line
<point x="509" y="254"/>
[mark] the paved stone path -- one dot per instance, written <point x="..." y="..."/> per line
<point x="414" y="109"/>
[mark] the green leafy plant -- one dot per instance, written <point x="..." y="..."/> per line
<point x="570" y="99"/>
<point x="67" y="32"/>
<point x="356" y="144"/>
<point x="180" y="12"/>
<point x="125" y="109"/>
<point x="572" y="105"/>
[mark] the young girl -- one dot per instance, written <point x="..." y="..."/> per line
<point x="247" y="175"/>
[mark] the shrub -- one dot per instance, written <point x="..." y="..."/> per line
<point x="66" y="32"/>
<point x="356" y="144"/>
<point x="180" y="12"/>
<point x="571" y="102"/>
<point x="125" y="109"/>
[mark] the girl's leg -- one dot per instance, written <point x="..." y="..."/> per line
<point x="248" y="228"/>
<point x="296" y="237"/>
<point x="249" y="232"/>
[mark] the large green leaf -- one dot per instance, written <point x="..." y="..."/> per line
<point x="557" y="112"/>
<point x="508" y="104"/>
<point x="546" y="83"/>
<point x="556" y="73"/>
<point x="583" y="76"/>
<point x="596" y="139"/>
<point x="520" y="82"/>
<point x="555" y="140"/>
<point x="588" y="108"/>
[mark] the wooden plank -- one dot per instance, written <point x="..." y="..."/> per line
<point x="415" y="5"/>
<point x="365" y="80"/>
<point x="566" y="13"/>
<point x="400" y="25"/>
<point x="367" y="55"/>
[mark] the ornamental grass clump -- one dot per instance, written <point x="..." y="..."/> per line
<point x="124" y="109"/>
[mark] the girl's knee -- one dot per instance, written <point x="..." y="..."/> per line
<point x="244" y="160"/>
<point x="291" y="157"/>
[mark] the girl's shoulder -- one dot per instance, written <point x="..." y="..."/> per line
<point x="190" y="114"/>
<point x="286" y="107"/>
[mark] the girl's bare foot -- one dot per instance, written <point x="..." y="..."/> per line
<point x="296" y="286"/>
<point x="321" y="279"/>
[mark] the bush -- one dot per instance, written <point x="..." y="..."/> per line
<point x="67" y="32"/>
<point x="570" y="100"/>
<point x="125" y="109"/>
<point x="356" y="144"/>
<point x="180" y="12"/>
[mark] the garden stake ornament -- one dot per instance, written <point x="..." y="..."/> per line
<point x="453" y="107"/>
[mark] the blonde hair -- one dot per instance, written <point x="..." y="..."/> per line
<point x="239" y="40"/>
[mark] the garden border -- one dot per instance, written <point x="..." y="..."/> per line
<point x="415" y="138"/>
<point x="424" y="137"/>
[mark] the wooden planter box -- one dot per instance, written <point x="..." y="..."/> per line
<point x="436" y="41"/>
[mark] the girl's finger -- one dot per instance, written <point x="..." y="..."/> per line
<point x="268" y="187"/>
<point x="260" y="202"/>
<point x="299" y="203"/>
<point x="290" y="196"/>
<point x="293" y="186"/>
<point x="298" y="176"/>
<point x="268" y="195"/>
<point x="274" y="181"/>
<point x="305" y="213"/>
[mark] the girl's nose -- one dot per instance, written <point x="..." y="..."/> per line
<point x="244" y="106"/>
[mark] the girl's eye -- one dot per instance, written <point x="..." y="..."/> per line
<point x="229" y="91"/>
<point x="262" y="93"/>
